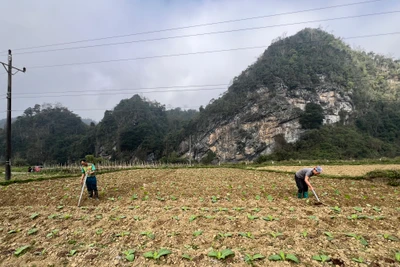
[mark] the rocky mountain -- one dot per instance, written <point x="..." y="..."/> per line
<point x="264" y="105"/>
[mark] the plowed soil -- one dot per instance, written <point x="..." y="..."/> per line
<point x="192" y="211"/>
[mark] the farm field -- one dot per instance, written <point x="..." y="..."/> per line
<point x="338" y="170"/>
<point x="191" y="212"/>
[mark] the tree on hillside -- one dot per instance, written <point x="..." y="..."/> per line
<point x="312" y="117"/>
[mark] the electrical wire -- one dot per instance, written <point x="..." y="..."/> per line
<point x="208" y="33"/>
<point x="194" y="26"/>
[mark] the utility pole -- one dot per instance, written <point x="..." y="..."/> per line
<point x="9" y="69"/>
<point x="190" y="150"/>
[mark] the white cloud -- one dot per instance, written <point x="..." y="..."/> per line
<point x="29" y="23"/>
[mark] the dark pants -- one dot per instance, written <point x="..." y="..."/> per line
<point x="301" y="185"/>
<point x="91" y="185"/>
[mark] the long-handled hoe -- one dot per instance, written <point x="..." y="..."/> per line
<point x="83" y="187"/>
<point x="316" y="196"/>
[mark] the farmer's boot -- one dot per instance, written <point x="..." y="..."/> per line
<point x="96" y="195"/>
<point x="299" y="195"/>
<point x="305" y="194"/>
<point x="90" y="194"/>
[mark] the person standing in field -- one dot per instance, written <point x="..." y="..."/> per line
<point x="302" y="178"/>
<point x="91" y="181"/>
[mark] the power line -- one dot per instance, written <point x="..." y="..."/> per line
<point x="197" y="25"/>
<point x="144" y="92"/>
<point x="125" y="89"/>
<point x="207" y="33"/>
<point x="24" y="95"/>
<point x="195" y="53"/>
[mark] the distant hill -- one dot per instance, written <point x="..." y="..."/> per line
<point x="88" y="121"/>
<point x="3" y="122"/>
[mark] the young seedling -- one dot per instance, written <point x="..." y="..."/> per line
<point x="72" y="252"/>
<point x="221" y="255"/>
<point x="251" y="217"/>
<point x="276" y="234"/>
<point x="329" y="235"/>
<point x="122" y="234"/>
<point x="377" y="209"/>
<point x="148" y="234"/>
<point x="336" y="209"/>
<point x="99" y="231"/>
<point x="223" y="235"/>
<point x="359" y="237"/>
<point x="258" y="197"/>
<point x="34" y="215"/>
<point x="397" y="256"/>
<point x="193" y="217"/>
<point x="359" y="209"/>
<point x="249" y="259"/>
<point x="155" y="255"/>
<point x="214" y="199"/>
<point x="359" y="260"/>
<point x="187" y="257"/>
<point x="256" y="210"/>
<point x="270" y="198"/>
<point x="197" y="233"/>
<point x="247" y="234"/>
<point x="304" y="234"/>
<point x="283" y="257"/>
<point x="32" y="231"/>
<point x="21" y="250"/>
<point x="321" y="258"/>
<point x="134" y="197"/>
<point x="238" y="208"/>
<point x="389" y="237"/>
<point x="185" y="208"/>
<point x="129" y="255"/>
<point x="270" y="218"/>
<point x="53" y="233"/>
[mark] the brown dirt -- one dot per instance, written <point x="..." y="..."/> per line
<point x="346" y="170"/>
<point x="101" y="230"/>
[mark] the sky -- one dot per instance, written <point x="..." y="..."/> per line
<point x="90" y="89"/>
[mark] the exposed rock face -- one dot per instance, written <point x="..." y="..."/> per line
<point x="254" y="131"/>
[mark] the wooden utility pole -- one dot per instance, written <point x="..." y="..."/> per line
<point x="190" y="151"/>
<point x="9" y="69"/>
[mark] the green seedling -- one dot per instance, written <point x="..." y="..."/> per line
<point x="52" y="216"/>
<point x="231" y="218"/>
<point x="358" y="237"/>
<point x="270" y="198"/>
<point x="144" y="198"/>
<point x="312" y="217"/>
<point x="32" y="231"/>
<point x="167" y="207"/>
<point x="238" y="209"/>
<point x="223" y="235"/>
<point x="72" y="252"/>
<point x="329" y="235"/>
<point x="21" y="250"/>
<point x="176" y="218"/>
<point x="251" y="217"/>
<point x="122" y="234"/>
<point x="389" y="237"/>
<point x="34" y="216"/>
<point x="60" y="207"/>
<point x="359" y="260"/>
<point x="204" y="209"/>
<point x="173" y="198"/>
<point x="291" y="209"/>
<point x="220" y="209"/>
<point x="321" y="258"/>
<point x="148" y="234"/>
<point x="185" y="208"/>
<point x="134" y="197"/>
<point x="193" y="217"/>
<point x="173" y="234"/>
<point x="247" y="234"/>
<point x="283" y="257"/>
<point x="276" y="234"/>
<point x="160" y="198"/>
<point x="347" y="196"/>
<point x="258" y="197"/>
<point x="197" y="233"/>
<point x="304" y="234"/>
<point x="377" y="209"/>
<point x="129" y="255"/>
<point x="53" y="233"/>
<point x="187" y="257"/>
<point x="155" y="255"/>
<point x="397" y="256"/>
<point x="67" y="216"/>
<point x="214" y="199"/>
<point x="249" y="259"/>
<point x="270" y="218"/>
<point x="221" y="255"/>
<point x="99" y="231"/>
<point x="137" y="218"/>
<point x="336" y="209"/>
<point x="209" y="217"/>
<point x="359" y="209"/>
<point x="256" y="210"/>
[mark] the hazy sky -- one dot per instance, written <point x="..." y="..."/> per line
<point x="27" y="23"/>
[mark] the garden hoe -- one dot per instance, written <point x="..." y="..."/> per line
<point x="83" y="187"/>
<point x="316" y="196"/>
